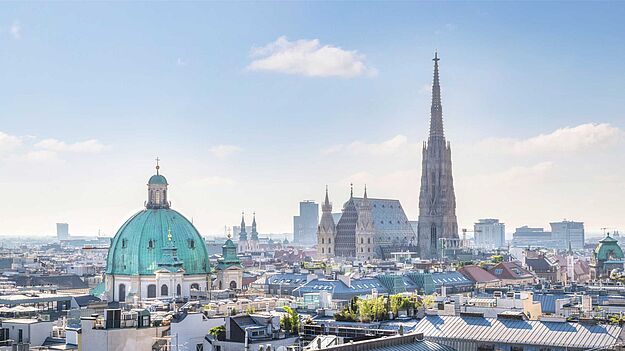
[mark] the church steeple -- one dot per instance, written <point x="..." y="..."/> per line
<point x="254" y="231"/>
<point x="327" y="206"/>
<point x="242" y="233"/>
<point x="436" y="111"/>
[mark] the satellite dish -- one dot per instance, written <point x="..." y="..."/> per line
<point x="281" y="348"/>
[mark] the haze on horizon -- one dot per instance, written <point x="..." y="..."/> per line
<point x="256" y="106"/>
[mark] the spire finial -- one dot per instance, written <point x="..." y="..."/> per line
<point x="351" y="192"/>
<point x="157" y="166"/>
<point x="436" y="113"/>
<point x="169" y="236"/>
<point x="365" y="191"/>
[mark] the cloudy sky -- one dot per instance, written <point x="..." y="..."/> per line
<point x="256" y="106"/>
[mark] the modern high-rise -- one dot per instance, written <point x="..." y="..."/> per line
<point x="437" y="201"/>
<point x="568" y="233"/>
<point x="489" y="234"/>
<point x="62" y="231"/>
<point x="305" y="225"/>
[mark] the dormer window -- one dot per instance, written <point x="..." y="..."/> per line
<point x="191" y="243"/>
<point x="124" y="243"/>
<point x="151" y="244"/>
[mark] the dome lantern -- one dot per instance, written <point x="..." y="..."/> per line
<point x="157" y="190"/>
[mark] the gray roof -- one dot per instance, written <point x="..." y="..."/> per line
<point x="390" y="221"/>
<point x="506" y="331"/>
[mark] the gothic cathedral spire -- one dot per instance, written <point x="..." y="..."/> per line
<point x="437" y="201"/>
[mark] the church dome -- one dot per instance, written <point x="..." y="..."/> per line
<point x="157" y="179"/>
<point x="608" y="249"/>
<point x="137" y="248"/>
<point x="152" y="235"/>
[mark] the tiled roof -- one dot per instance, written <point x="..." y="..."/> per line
<point x="477" y="274"/>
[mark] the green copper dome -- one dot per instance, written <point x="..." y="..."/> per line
<point x="157" y="179"/>
<point x="142" y="243"/>
<point x="608" y="249"/>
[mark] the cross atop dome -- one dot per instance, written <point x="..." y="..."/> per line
<point x="157" y="166"/>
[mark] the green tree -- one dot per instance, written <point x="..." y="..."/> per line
<point x="290" y="322"/>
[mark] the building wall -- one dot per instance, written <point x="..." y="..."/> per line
<point x="305" y="225"/>
<point x="490" y="234"/>
<point x="139" y="285"/>
<point x="566" y="232"/>
<point x="33" y="333"/>
<point x="190" y="332"/>
<point x="119" y="339"/>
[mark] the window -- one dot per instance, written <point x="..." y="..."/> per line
<point x="368" y="240"/>
<point x="157" y="197"/>
<point x="368" y="249"/>
<point x="233" y="285"/>
<point x="178" y="290"/>
<point x="122" y="292"/>
<point x="151" y="291"/>
<point x="124" y="243"/>
<point x="191" y="244"/>
<point x="322" y="250"/>
<point x="195" y="286"/>
<point x="322" y="241"/>
<point x="329" y="240"/>
<point x="151" y="244"/>
<point x="199" y="347"/>
<point x="362" y="240"/>
<point x="433" y="238"/>
<point x="164" y="290"/>
<point x="20" y="335"/>
<point x="329" y="250"/>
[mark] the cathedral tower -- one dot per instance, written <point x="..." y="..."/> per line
<point x="243" y="244"/>
<point x="437" y="201"/>
<point x="253" y="244"/>
<point x="365" y="231"/>
<point x="326" y="231"/>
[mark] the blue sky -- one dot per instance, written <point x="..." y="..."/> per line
<point x="93" y="92"/>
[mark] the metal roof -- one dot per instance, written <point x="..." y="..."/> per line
<point x="506" y="331"/>
<point x="138" y="245"/>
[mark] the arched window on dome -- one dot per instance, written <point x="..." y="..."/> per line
<point x="233" y="285"/>
<point x="178" y="290"/>
<point x="191" y="244"/>
<point x="164" y="290"/>
<point x="124" y="243"/>
<point x="151" y="291"/>
<point x="151" y="244"/>
<point x="122" y="292"/>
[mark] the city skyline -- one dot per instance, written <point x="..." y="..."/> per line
<point x="258" y="120"/>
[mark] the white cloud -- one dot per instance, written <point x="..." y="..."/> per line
<point x="87" y="146"/>
<point x="181" y="62"/>
<point x="309" y="58"/>
<point x="15" y="30"/>
<point x="426" y="89"/>
<point x="9" y="142"/>
<point x="223" y="151"/>
<point x="41" y="155"/>
<point x="568" y="139"/>
<point x="398" y="143"/>
<point x="214" y="181"/>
